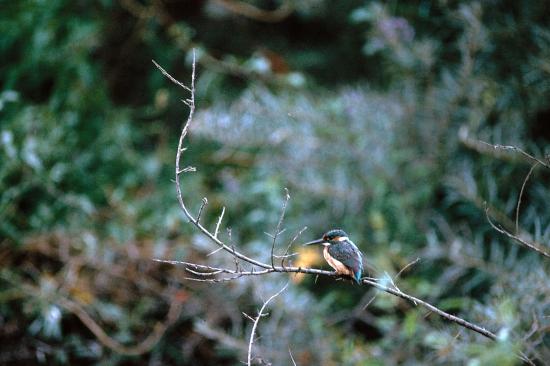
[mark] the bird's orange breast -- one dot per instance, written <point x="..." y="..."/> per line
<point x="338" y="266"/>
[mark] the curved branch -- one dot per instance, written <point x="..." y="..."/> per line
<point x="521" y="194"/>
<point x="143" y="347"/>
<point x="533" y="246"/>
<point x="191" y="103"/>
<point x="264" y="267"/>
<point x="313" y="271"/>
<point x="78" y="310"/>
<point x="260" y="314"/>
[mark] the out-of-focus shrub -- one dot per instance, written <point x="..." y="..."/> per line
<point x="361" y="121"/>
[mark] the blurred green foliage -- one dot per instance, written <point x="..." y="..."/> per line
<point x="370" y="113"/>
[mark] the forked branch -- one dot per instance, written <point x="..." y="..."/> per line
<point x="256" y="320"/>
<point x="208" y="273"/>
<point x="534" y="247"/>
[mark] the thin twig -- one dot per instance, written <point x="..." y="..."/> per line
<point x="517" y="149"/>
<point x="278" y="228"/>
<point x="219" y="222"/>
<point x="369" y="302"/>
<point x="290" y="244"/>
<point x="292" y="358"/>
<point x="483" y="147"/>
<point x="516" y="238"/>
<point x="285" y="256"/>
<point x="237" y="266"/>
<point x="214" y="251"/>
<point x="260" y="314"/>
<point x="407" y="267"/>
<point x="174" y="80"/>
<point x="522" y="356"/>
<point x="203" y="204"/>
<point x="187" y="169"/>
<point x="521" y="194"/>
<point x="363" y="308"/>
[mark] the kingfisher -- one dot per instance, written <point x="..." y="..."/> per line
<point x="341" y="253"/>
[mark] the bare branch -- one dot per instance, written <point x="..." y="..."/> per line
<point x="285" y="256"/>
<point x="507" y="223"/>
<point x="173" y="79"/>
<point x="441" y="313"/>
<point x="363" y="308"/>
<point x="314" y="271"/>
<point x="292" y="358"/>
<point x="248" y="316"/>
<point x="260" y="314"/>
<point x="187" y="169"/>
<point x="219" y="222"/>
<point x="178" y="171"/>
<point x="237" y="266"/>
<point x="290" y="244"/>
<point x="369" y="302"/>
<point x="522" y="356"/>
<point x="278" y="228"/>
<point x="521" y="194"/>
<point x="204" y="203"/>
<point x="214" y="251"/>
<point x="526" y="244"/>
<point x="483" y="147"/>
<point x="259" y="268"/>
<point x="517" y="149"/>
<point x="407" y="267"/>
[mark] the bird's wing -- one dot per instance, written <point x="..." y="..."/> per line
<point x="358" y="251"/>
<point x="349" y="255"/>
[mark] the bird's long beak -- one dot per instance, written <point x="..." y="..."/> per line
<point x="318" y="241"/>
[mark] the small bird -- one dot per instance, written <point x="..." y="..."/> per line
<point x="341" y="253"/>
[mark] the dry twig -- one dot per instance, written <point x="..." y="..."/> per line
<point x="256" y="320"/>
<point x="521" y="194"/>
<point x="532" y="246"/>
<point x="496" y="150"/>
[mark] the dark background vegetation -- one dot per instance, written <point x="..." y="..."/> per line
<point x="368" y="112"/>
